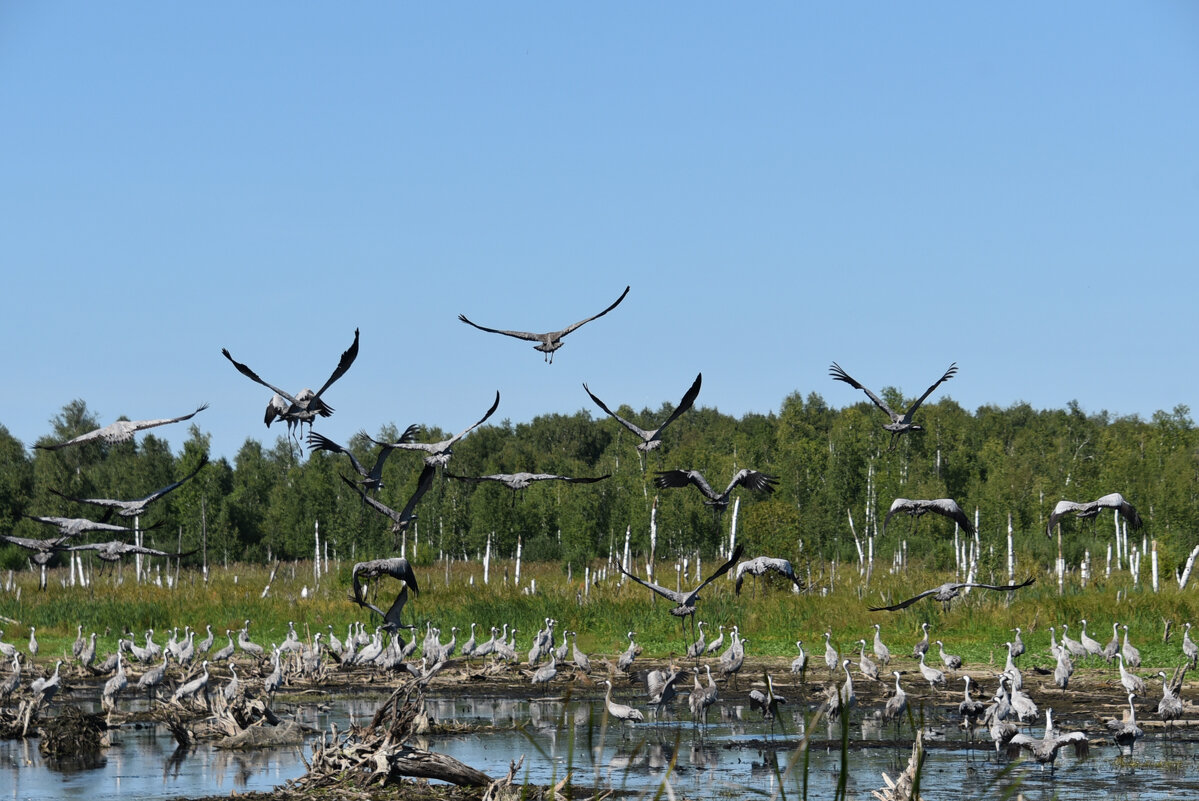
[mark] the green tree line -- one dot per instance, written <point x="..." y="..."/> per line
<point x="830" y="463"/>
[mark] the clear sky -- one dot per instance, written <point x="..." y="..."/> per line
<point x="894" y="186"/>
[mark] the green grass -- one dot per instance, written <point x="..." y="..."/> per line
<point x="975" y="627"/>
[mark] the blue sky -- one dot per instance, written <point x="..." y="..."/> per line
<point x="891" y="186"/>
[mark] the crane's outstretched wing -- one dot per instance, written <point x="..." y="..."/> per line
<point x="999" y="587"/>
<point x="475" y="479"/>
<point x="318" y="442"/>
<point x="752" y="479"/>
<point x="36" y="545"/>
<point x="681" y="478"/>
<point x="670" y="595"/>
<point x="836" y="372"/>
<point x="904" y="604"/>
<point x="641" y="432"/>
<point x="897" y="505"/>
<point x="953" y="368"/>
<point x="686" y="403"/>
<point x="391" y="618"/>
<point x="77" y="525"/>
<point x="570" y="328"/>
<point x="121" y="430"/>
<point x="253" y="376"/>
<point x="1116" y="501"/>
<point x="935" y="590"/>
<point x="153" y="496"/>
<point x="422" y="486"/>
<point x="726" y="567"/>
<point x="347" y="358"/>
<point x="571" y="479"/>
<point x="1062" y="508"/>
<point x="375" y="504"/>
<point x="948" y="507"/>
<point x="118" y="548"/>
<point x="480" y="421"/>
<point x="518" y="334"/>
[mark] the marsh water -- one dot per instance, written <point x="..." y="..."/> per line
<point x="736" y="756"/>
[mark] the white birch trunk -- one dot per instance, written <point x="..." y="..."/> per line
<point x="1011" y="554"/>
<point x="487" y="561"/>
<point x="316" y="563"/>
<point x="628" y="532"/>
<point x="857" y="543"/>
<point x="733" y="525"/>
<point x="653" y="539"/>
<point x="1186" y="570"/>
<point x="518" y="549"/>
<point x="137" y="540"/>
<point x="1153" y="564"/>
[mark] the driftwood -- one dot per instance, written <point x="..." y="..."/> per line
<point x="73" y="734"/>
<point x="261" y="736"/>
<point x="378" y="753"/>
<point x="903" y="788"/>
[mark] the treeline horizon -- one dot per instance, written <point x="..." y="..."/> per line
<point x="832" y="465"/>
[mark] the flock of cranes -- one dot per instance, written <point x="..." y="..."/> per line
<point x="662" y="686"/>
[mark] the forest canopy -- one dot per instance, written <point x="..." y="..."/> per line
<point x="831" y="464"/>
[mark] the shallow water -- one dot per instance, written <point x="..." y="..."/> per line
<point x="736" y="757"/>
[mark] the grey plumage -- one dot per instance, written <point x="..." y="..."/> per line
<point x="371" y="479"/>
<point x="947" y="592"/>
<point x="396" y="567"/>
<point x="520" y="481"/>
<point x="620" y="711"/>
<point x="1126" y="731"/>
<point x="551" y="340"/>
<point x="759" y="565"/>
<point x="946" y="507"/>
<point x="1045" y="750"/>
<point x="437" y="454"/>
<point x="652" y="438"/>
<point x="750" y="479"/>
<point x="113" y="550"/>
<point x="900" y="423"/>
<point x="120" y="431"/>
<point x="401" y="519"/>
<point x="305" y="405"/>
<point x="137" y="506"/>
<point x="1090" y="509"/>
